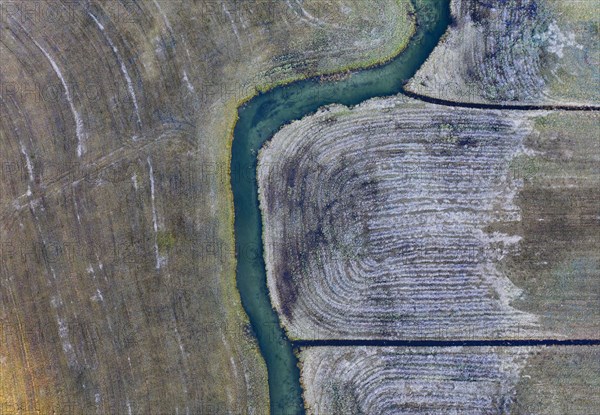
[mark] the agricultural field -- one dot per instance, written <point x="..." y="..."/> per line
<point x="117" y="281"/>
<point x="469" y="222"/>
<point x="449" y="220"/>
<point x="530" y="51"/>
<point x="453" y="380"/>
<point x="403" y="220"/>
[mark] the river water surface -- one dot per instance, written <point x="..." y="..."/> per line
<point x="259" y="119"/>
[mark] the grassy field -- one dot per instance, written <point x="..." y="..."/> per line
<point x="558" y="263"/>
<point x="117" y="290"/>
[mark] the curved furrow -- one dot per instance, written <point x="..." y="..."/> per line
<point x="375" y="222"/>
<point x="542" y="52"/>
<point x="390" y="380"/>
<point x="449" y="380"/>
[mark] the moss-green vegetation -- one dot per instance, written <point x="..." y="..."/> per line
<point x="165" y="241"/>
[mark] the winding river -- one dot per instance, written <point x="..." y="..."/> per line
<point x="259" y="119"/>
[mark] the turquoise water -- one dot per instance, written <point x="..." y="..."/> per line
<point x="259" y="119"/>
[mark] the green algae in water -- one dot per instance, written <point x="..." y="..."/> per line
<point x="259" y="119"/>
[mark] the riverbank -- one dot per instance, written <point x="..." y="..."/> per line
<point x="258" y="120"/>
<point x="397" y="220"/>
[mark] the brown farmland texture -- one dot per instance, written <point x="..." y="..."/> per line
<point x="117" y="286"/>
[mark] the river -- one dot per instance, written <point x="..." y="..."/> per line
<point x="259" y="119"/>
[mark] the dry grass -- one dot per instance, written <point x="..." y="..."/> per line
<point x="117" y="287"/>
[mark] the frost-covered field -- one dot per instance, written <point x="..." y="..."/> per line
<point x="454" y="380"/>
<point x="397" y="219"/>
<point x="530" y="51"/>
